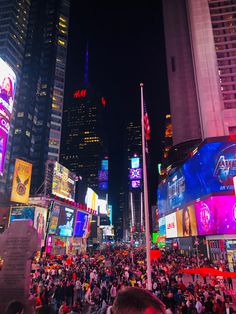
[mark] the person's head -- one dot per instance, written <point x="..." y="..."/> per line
<point x="15" y="307"/>
<point x="137" y="301"/>
<point x="186" y="222"/>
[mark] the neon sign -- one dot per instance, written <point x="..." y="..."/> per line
<point x="80" y="93"/>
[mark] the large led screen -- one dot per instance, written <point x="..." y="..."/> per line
<point x="7" y="94"/>
<point x="22" y="213"/>
<point x="216" y="215"/>
<point x="81" y="224"/>
<point x="91" y="199"/>
<point x="135" y="174"/>
<point x="40" y="220"/>
<point x="63" y="184"/>
<point x="210" y="170"/>
<point x="102" y="207"/>
<point x="54" y="219"/>
<point x="186" y="222"/>
<point x="135" y="162"/>
<point x="162" y="226"/>
<point x="66" y="221"/>
<point x="171" y="226"/>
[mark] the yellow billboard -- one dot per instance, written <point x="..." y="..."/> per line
<point x="21" y="182"/>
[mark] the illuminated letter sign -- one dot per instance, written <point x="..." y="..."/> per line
<point x="80" y="93"/>
<point x="7" y="93"/>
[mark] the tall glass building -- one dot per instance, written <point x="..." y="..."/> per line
<point x="38" y="120"/>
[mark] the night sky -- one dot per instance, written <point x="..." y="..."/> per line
<point x="126" y="47"/>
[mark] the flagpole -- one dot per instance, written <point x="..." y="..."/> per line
<point x="145" y="190"/>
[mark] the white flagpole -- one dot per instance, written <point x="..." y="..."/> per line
<point x="145" y="190"/>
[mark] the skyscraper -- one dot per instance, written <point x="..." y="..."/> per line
<point x="14" y="17"/>
<point x="200" y="51"/>
<point x="84" y="143"/>
<point x="37" y="129"/>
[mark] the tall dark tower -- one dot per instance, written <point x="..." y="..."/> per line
<point x="37" y="129"/>
<point x="83" y="143"/>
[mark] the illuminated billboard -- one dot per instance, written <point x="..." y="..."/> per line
<point x="102" y="175"/>
<point x="40" y="219"/>
<point x="66" y="221"/>
<point x="134" y="162"/>
<point x="91" y="199"/>
<point x="63" y="184"/>
<point x="135" y="174"/>
<point x="171" y="226"/>
<point x="105" y="164"/>
<point x="21" y="182"/>
<point x="26" y="212"/>
<point x="162" y="226"/>
<point x="7" y="94"/>
<point x="210" y="170"/>
<point x="102" y="207"/>
<point x="81" y="224"/>
<point x="54" y="219"/>
<point x="103" y="185"/>
<point x="135" y="184"/>
<point x="216" y="215"/>
<point x="186" y="222"/>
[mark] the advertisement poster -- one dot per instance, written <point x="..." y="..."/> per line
<point x="54" y="219"/>
<point x="212" y="167"/>
<point x="63" y="184"/>
<point x="4" y="218"/>
<point x="21" y="182"/>
<point x="186" y="222"/>
<point x="81" y="224"/>
<point x="91" y="199"/>
<point x="22" y="213"/>
<point x="7" y="94"/>
<point x="66" y="222"/>
<point x="40" y="218"/>
<point x="171" y="226"/>
<point x="162" y="226"/>
<point x="216" y="215"/>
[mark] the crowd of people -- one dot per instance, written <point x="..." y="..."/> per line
<point x="88" y="283"/>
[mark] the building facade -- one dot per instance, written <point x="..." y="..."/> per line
<point x="84" y="144"/>
<point x="200" y="52"/>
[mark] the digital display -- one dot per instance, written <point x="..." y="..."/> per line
<point x="102" y="206"/>
<point x="81" y="224"/>
<point x="105" y="164"/>
<point x="66" y="222"/>
<point x="213" y="167"/>
<point x="22" y="213"/>
<point x="91" y="199"/>
<point x="135" y="162"/>
<point x="162" y="226"/>
<point x="7" y="94"/>
<point x="54" y="219"/>
<point x="103" y="185"/>
<point x="21" y="181"/>
<point x="216" y="215"/>
<point x="155" y="218"/>
<point x="186" y="222"/>
<point x="171" y="226"/>
<point x="135" y="184"/>
<point x="63" y="184"/>
<point x="102" y="175"/>
<point x="40" y="218"/>
<point x="135" y="174"/>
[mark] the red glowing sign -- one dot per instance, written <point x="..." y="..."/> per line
<point x="103" y="101"/>
<point x="80" y="93"/>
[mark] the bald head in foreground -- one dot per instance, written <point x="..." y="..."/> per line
<point x="137" y="301"/>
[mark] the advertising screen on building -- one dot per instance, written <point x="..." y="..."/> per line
<point x="91" y="199"/>
<point x="135" y="174"/>
<point x="216" y="215"/>
<point x="40" y="220"/>
<point x="103" y="185"/>
<point x="63" y="184"/>
<point x="26" y="212"/>
<point x="162" y="226"/>
<point x="102" y="207"/>
<point x="135" y="162"/>
<point x="171" y="226"/>
<point x="81" y="224"/>
<point x="54" y="219"/>
<point x="21" y="182"/>
<point x="66" y="221"/>
<point x="105" y="164"/>
<point x="186" y="222"/>
<point x="4" y="218"/>
<point x="212" y="167"/>
<point x="102" y="175"/>
<point x="7" y="94"/>
<point x="155" y="218"/>
<point x="135" y="184"/>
